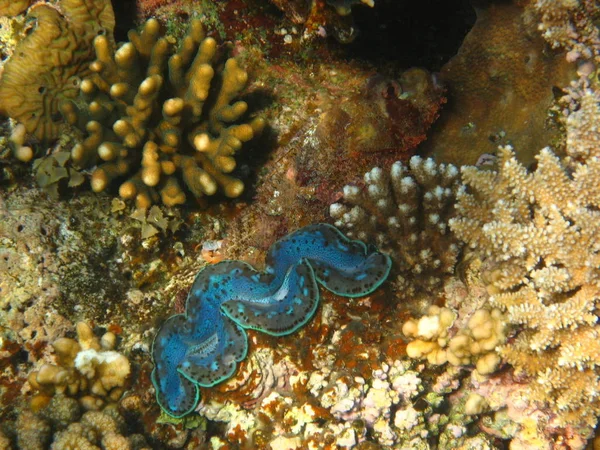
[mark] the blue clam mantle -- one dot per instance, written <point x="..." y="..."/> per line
<point x="203" y="346"/>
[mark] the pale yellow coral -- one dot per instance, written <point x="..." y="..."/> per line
<point x="431" y="333"/>
<point x="434" y="338"/>
<point x="538" y="232"/>
<point x="475" y="404"/>
<point x="87" y="368"/>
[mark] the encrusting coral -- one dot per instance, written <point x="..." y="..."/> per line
<point x="87" y="369"/>
<point x="537" y="233"/>
<point x="406" y="211"/>
<point x="500" y="86"/>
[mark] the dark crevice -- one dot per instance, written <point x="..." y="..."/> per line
<point x="425" y="33"/>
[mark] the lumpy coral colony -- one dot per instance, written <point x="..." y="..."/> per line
<point x="162" y="120"/>
<point x="202" y="346"/>
<point x="496" y="266"/>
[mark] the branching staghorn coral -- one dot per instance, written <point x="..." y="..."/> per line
<point x="571" y="25"/>
<point x="406" y="212"/>
<point x="539" y="234"/>
<point x="179" y="124"/>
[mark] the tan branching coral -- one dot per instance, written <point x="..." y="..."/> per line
<point x="174" y="113"/>
<point x="87" y="368"/>
<point x="583" y="141"/>
<point x="539" y="234"/>
<point x="406" y="211"/>
<point x="45" y="70"/>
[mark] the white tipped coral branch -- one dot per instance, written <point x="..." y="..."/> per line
<point x="405" y="212"/>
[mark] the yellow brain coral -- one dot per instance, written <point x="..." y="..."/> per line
<point x="12" y="7"/>
<point x="46" y="67"/>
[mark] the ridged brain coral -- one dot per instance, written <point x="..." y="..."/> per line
<point x="44" y="72"/>
<point x="12" y="8"/>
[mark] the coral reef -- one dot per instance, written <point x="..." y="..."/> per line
<point x="406" y="212"/>
<point x="334" y="406"/>
<point x="516" y="323"/>
<point x="537" y="233"/>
